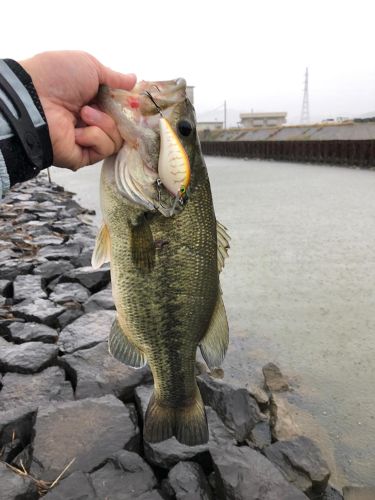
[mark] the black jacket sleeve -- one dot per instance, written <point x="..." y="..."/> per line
<point x="15" y="163"/>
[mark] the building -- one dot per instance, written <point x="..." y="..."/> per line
<point x="252" y="120"/>
<point x="202" y="126"/>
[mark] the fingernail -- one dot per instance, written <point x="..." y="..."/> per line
<point x="91" y="113"/>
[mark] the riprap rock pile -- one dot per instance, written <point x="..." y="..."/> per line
<point x="67" y="406"/>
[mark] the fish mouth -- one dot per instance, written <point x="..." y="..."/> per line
<point x="164" y="93"/>
<point x="138" y="114"/>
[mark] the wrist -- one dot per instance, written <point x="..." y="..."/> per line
<point x="26" y="144"/>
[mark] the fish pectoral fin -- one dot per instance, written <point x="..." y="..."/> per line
<point x="101" y="253"/>
<point x="142" y="246"/>
<point x="223" y="239"/>
<point x="214" y="344"/>
<point x="123" y="349"/>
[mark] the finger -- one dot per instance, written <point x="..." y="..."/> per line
<point x="96" y="143"/>
<point x="116" y="80"/>
<point x="94" y="117"/>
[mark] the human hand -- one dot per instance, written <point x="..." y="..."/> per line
<point x="66" y="83"/>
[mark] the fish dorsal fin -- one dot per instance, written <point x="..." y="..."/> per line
<point x="123" y="349"/>
<point x="101" y="253"/>
<point x="223" y="239"/>
<point x="214" y="344"/>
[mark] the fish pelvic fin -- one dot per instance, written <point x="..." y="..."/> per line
<point x="101" y="253"/>
<point x="223" y="240"/>
<point x="142" y="247"/>
<point x="187" y="423"/>
<point x="214" y="344"/>
<point x="123" y="349"/>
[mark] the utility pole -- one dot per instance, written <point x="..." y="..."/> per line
<point x="225" y="115"/>
<point x="305" y="112"/>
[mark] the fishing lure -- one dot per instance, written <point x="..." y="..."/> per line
<point x="173" y="166"/>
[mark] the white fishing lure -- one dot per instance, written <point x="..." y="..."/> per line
<point x="174" y="166"/>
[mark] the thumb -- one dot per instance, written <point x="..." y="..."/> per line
<point x="116" y="80"/>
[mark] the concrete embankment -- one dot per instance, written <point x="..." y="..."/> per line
<point x="348" y="143"/>
<point x="67" y="406"/>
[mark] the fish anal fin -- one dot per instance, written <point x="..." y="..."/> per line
<point x="123" y="349"/>
<point x="188" y="423"/>
<point x="223" y="240"/>
<point x="142" y="246"/>
<point x="214" y="344"/>
<point x="102" y="250"/>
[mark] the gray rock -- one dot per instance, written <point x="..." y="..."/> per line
<point x="33" y="390"/>
<point x="188" y="482"/>
<point x="24" y="218"/>
<point x="77" y="486"/>
<point x="13" y="486"/>
<point x="151" y="495"/>
<point x="89" y="430"/>
<point x="6" y="288"/>
<point x="238" y="410"/>
<point x="282" y="420"/>
<point x="217" y="372"/>
<point x="329" y="494"/>
<point x="274" y="380"/>
<point x="7" y="253"/>
<point x="45" y="240"/>
<point x="93" y="279"/>
<point x="301" y="463"/>
<point x="66" y="226"/>
<point x="40" y="310"/>
<point x="40" y="196"/>
<point x="258" y="394"/>
<point x="125" y="476"/>
<point x="16" y="196"/>
<point x="84" y="258"/>
<point x="68" y="316"/>
<point x="56" y="252"/>
<point x="16" y="423"/>
<point x="69" y="292"/>
<point x="167" y="453"/>
<point x="30" y="357"/>
<point x="359" y="492"/>
<point x="100" y="300"/>
<point x="51" y="269"/>
<point x="86" y="331"/>
<point x="23" y="459"/>
<point x="245" y="474"/>
<point x="260" y="435"/>
<point x="32" y="332"/>
<point x="95" y="373"/>
<point x="12" y="268"/>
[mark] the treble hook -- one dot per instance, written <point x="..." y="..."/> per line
<point x="158" y="186"/>
<point x="153" y="101"/>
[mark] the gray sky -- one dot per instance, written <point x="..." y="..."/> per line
<point x="251" y="54"/>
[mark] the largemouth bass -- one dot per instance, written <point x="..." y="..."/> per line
<point x="166" y="251"/>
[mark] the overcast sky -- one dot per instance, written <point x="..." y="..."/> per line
<point x="251" y="54"/>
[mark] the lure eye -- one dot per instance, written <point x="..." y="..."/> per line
<point x="184" y="128"/>
<point x="182" y="190"/>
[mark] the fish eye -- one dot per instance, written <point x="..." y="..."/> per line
<point x="184" y="128"/>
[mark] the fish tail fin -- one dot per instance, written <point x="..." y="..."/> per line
<point x="159" y="421"/>
<point x="187" y="423"/>
<point x="191" y="423"/>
